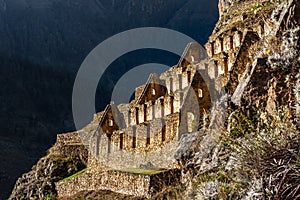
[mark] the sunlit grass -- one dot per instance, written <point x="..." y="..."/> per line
<point x="74" y="175"/>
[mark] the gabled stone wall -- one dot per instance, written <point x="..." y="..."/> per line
<point x="133" y="143"/>
<point x="152" y="128"/>
<point x="153" y="121"/>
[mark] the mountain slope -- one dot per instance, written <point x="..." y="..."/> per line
<point x="248" y="147"/>
<point x="42" y="45"/>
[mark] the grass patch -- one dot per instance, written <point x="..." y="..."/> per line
<point x="141" y="171"/>
<point x="50" y="196"/>
<point x="74" y="175"/>
<point x="74" y="144"/>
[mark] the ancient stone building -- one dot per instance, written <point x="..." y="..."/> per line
<point x="145" y="132"/>
<point x="231" y="45"/>
<point x="147" y="129"/>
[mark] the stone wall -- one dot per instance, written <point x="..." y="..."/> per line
<point x="136" y="145"/>
<point x="224" y="45"/>
<point x="164" y="105"/>
<point x="193" y="53"/>
<point x="152" y="122"/>
<point x="69" y="144"/>
<point x="139" y="185"/>
<point x="138" y="91"/>
<point x="151" y="131"/>
<point x="68" y="138"/>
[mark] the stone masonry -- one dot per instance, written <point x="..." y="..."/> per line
<point x="147" y="129"/>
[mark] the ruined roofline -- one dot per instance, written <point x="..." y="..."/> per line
<point x="115" y="110"/>
<point x="98" y="129"/>
<point x="150" y="80"/>
<point x="144" y="89"/>
<point x="104" y="113"/>
<point x="153" y="78"/>
<point x="191" y="56"/>
<point x="182" y="58"/>
<point x="236" y="5"/>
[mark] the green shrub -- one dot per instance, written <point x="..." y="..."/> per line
<point x="50" y="196"/>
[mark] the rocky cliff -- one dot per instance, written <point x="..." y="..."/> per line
<point x="64" y="159"/>
<point x="254" y="153"/>
<point x="250" y="147"/>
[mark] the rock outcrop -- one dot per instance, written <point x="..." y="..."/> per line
<point x="255" y="154"/>
<point x="65" y="158"/>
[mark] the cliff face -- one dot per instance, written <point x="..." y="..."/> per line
<point x="254" y="154"/>
<point x="249" y="148"/>
<point x="64" y="159"/>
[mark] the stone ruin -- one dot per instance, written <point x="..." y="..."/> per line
<point x="147" y="129"/>
<point x="145" y="133"/>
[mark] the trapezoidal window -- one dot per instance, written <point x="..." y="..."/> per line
<point x="110" y="122"/>
<point x="212" y="48"/>
<point x="225" y="65"/>
<point x="163" y="133"/>
<point x="222" y="44"/>
<point x="153" y="92"/>
<point x="231" y="42"/>
<point x="137" y="115"/>
<point x="121" y="141"/>
<point x="145" y="112"/>
<point x="134" y="138"/>
<point x="172" y="104"/>
<point x="200" y="93"/>
<point x="148" y="136"/>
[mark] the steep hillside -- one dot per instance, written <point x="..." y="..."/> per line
<point x="253" y="153"/>
<point x="42" y="46"/>
<point x="249" y="147"/>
